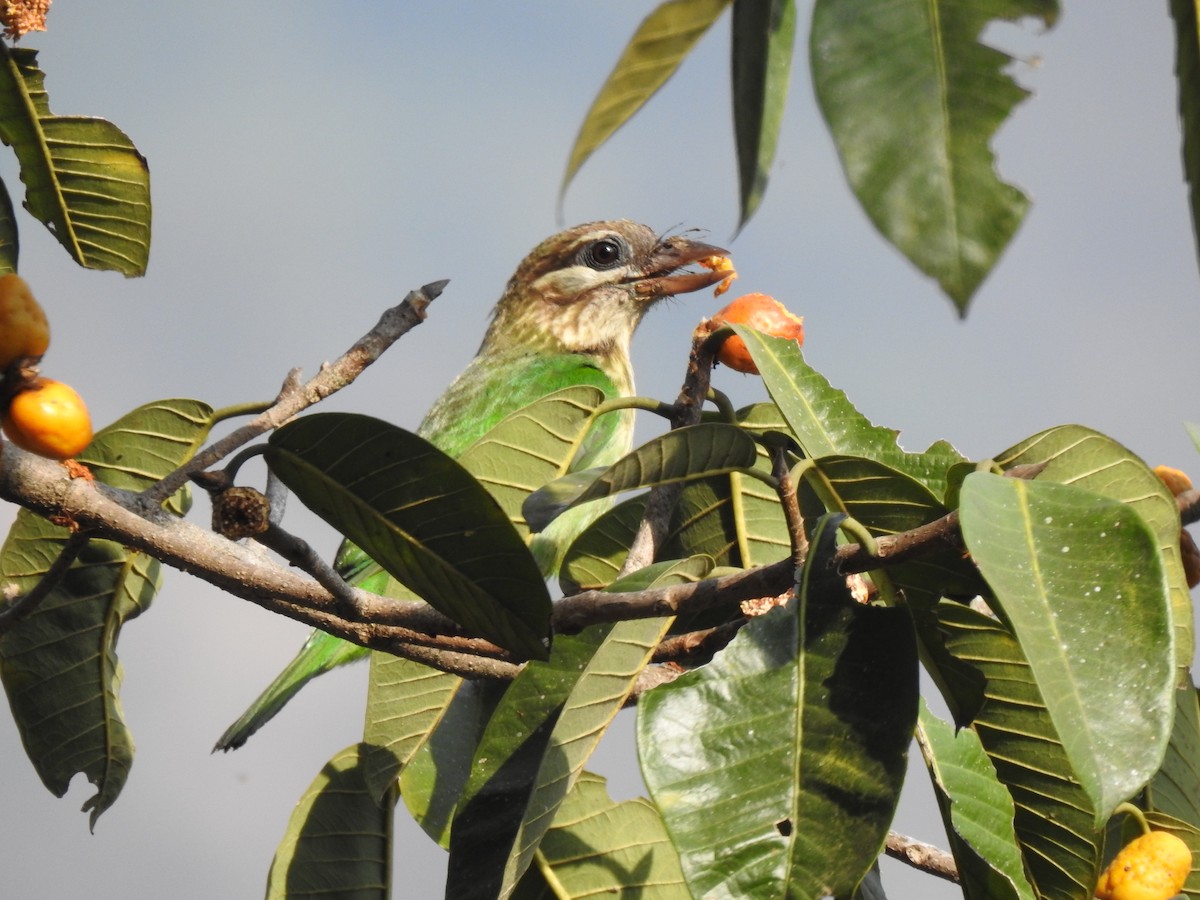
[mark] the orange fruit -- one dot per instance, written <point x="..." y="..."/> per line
<point x="762" y="312"/>
<point x="24" y="330"/>
<point x="48" y="418"/>
<point x="1151" y="867"/>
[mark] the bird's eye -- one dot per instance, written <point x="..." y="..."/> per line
<point x="603" y="254"/>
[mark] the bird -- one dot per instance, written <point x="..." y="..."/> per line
<point x="566" y="317"/>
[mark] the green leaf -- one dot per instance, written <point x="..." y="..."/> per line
<point x="977" y="810"/>
<point x="764" y="34"/>
<point x="597" y="847"/>
<point x="733" y="518"/>
<point x="422" y="517"/>
<point x="888" y="502"/>
<point x="338" y="840"/>
<point x="913" y="100"/>
<point x="1078" y="578"/>
<point x="540" y="737"/>
<point x="532" y="447"/>
<point x="696" y="451"/>
<point x="1073" y="454"/>
<point x="9" y="242"/>
<point x="825" y="423"/>
<point x="652" y="55"/>
<point x="405" y="702"/>
<point x="1175" y="788"/>
<point x="777" y="766"/>
<point x="59" y="664"/>
<point x="84" y="178"/>
<point x="1187" y="71"/>
<point x="1055" y="819"/>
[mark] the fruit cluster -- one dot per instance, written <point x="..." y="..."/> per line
<point x="40" y="415"/>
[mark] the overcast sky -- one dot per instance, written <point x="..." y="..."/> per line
<point x="307" y="171"/>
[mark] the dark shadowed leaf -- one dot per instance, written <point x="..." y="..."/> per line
<point x="913" y="99"/>
<point x="338" y="841"/>
<point x="59" y="664"/>
<point x="423" y="518"/>
<point x="777" y="766"/>
<point x="1187" y="71"/>
<point x="764" y="36"/>
<point x="1078" y="578"/>
<point x="9" y="240"/>
<point x="84" y="178"/>
<point x="652" y="55"/>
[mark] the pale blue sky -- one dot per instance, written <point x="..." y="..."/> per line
<point x="308" y="171"/>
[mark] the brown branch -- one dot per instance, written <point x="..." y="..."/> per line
<point x="686" y="411"/>
<point x="919" y="855"/>
<point x="295" y="397"/>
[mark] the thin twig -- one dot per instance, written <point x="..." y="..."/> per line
<point x="295" y="397"/>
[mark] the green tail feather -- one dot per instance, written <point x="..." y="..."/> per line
<point x="321" y="653"/>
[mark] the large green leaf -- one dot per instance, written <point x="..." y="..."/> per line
<point x="84" y="178"/>
<point x="59" y="664"/>
<point x="406" y="700"/>
<point x="338" y="839"/>
<point x="597" y="847"/>
<point x="423" y="518"/>
<point x="764" y="35"/>
<point x="825" y="423"/>
<point x="1078" y="578"/>
<point x="1054" y="819"/>
<point x="1073" y="454"/>
<point x="977" y="810"/>
<point x="695" y="451"/>
<point x="734" y="518"/>
<point x="531" y="447"/>
<point x="1187" y="71"/>
<point x="541" y="735"/>
<point x="777" y="765"/>
<point x="913" y="99"/>
<point x="652" y="55"/>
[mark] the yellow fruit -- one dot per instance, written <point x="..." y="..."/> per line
<point x="48" y="418"/>
<point x="1151" y="867"/>
<point x="722" y="265"/>
<point x="759" y="311"/>
<point x="24" y="330"/>
<point x="1177" y="482"/>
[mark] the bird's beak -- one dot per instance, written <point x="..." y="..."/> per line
<point x="663" y="277"/>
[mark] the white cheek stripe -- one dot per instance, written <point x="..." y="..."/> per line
<point x="573" y="281"/>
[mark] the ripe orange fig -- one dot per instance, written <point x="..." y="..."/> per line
<point x="1151" y="867"/>
<point x="762" y="312"/>
<point x="24" y="330"/>
<point x="48" y="418"/>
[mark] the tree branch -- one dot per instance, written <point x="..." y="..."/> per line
<point x="294" y="397"/>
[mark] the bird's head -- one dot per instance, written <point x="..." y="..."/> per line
<point x="585" y="289"/>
